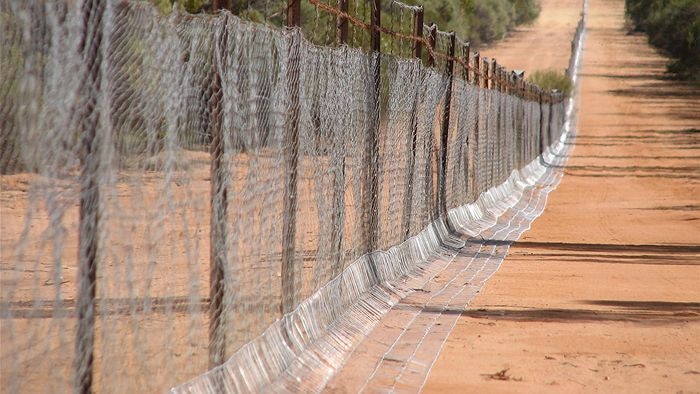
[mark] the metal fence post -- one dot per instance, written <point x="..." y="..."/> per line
<point x="408" y="197"/>
<point x="288" y="287"/>
<point x="91" y="50"/>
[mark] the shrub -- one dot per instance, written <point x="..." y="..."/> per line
<point x="674" y="26"/>
<point x="526" y="11"/>
<point x="550" y="79"/>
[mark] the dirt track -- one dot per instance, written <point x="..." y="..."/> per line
<point x="603" y="293"/>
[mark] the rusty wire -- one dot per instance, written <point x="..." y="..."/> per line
<point x="527" y="90"/>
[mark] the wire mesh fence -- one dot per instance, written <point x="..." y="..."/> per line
<point x="174" y="185"/>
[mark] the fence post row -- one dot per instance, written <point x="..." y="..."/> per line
<point x="408" y="199"/>
<point x="486" y="75"/>
<point x="444" y="135"/>
<point x="90" y="48"/>
<point x="288" y="296"/>
<point x="219" y="209"/>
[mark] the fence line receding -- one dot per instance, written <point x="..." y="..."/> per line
<point x="172" y="186"/>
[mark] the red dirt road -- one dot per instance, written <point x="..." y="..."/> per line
<point x="603" y="293"/>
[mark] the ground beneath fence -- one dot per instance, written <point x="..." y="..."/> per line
<point x="603" y="293"/>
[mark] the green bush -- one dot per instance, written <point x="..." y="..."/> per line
<point x="674" y="26"/>
<point x="550" y="79"/>
<point x="479" y="21"/>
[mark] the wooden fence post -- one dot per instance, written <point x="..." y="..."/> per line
<point x="338" y="215"/>
<point x="408" y="197"/>
<point x="432" y="38"/>
<point x="444" y="135"/>
<point x="371" y="198"/>
<point x="466" y="51"/>
<point x="477" y="81"/>
<point x="466" y="57"/>
<point x="288" y="296"/>
<point x="491" y="146"/>
<point x="91" y="50"/>
<point x="342" y="23"/>
<point x="219" y="210"/>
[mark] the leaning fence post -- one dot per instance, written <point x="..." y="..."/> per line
<point x="408" y="198"/>
<point x="91" y="49"/>
<point x="371" y="197"/>
<point x="288" y="284"/>
<point x="444" y="135"/>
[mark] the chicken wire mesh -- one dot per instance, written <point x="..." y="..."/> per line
<point x="158" y="147"/>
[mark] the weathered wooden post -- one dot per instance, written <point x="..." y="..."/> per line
<point x="432" y="39"/>
<point x="466" y="52"/>
<point x="371" y="195"/>
<point x="477" y="169"/>
<point x="492" y="146"/>
<point x="444" y="134"/>
<point x="408" y="198"/>
<point x="338" y="215"/>
<point x="289" y="291"/>
<point x="342" y="23"/>
<point x="91" y="50"/>
<point x="466" y="56"/>
<point x="219" y="208"/>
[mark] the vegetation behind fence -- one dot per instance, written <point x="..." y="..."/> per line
<point x="674" y="26"/>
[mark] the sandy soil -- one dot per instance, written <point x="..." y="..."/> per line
<point x="544" y="44"/>
<point x="603" y="293"/>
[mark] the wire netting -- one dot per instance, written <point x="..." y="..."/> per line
<point x="158" y="147"/>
